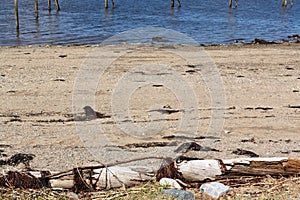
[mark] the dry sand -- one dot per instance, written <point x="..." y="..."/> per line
<point x="261" y="84"/>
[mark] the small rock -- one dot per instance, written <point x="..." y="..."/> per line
<point x="214" y="189"/>
<point x="169" y="182"/>
<point x="192" y="146"/>
<point x="180" y="194"/>
<point x="245" y="152"/>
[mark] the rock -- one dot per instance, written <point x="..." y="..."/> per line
<point x="180" y="194"/>
<point x="245" y="152"/>
<point x="192" y="146"/>
<point x="214" y="189"/>
<point x="169" y="182"/>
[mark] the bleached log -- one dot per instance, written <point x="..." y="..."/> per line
<point x="196" y="170"/>
<point x="199" y="170"/>
<point x="117" y="176"/>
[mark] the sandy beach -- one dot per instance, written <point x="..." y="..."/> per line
<point x="261" y="111"/>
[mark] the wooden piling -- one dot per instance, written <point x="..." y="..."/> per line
<point x="106" y="3"/>
<point x="284" y="3"/>
<point x="36" y="7"/>
<point x="172" y="3"/>
<point x="49" y="5"/>
<point x="57" y="5"/>
<point x="235" y="3"/>
<point x="179" y="4"/>
<point x="17" y="14"/>
<point x="113" y="3"/>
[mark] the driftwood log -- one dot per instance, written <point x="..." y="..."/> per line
<point x="93" y="178"/>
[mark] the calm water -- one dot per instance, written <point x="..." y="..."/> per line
<point x="207" y="22"/>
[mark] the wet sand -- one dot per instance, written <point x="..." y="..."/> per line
<point x="37" y="84"/>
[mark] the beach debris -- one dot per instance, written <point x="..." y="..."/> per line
<point x="244" y="152"/>
<point x="166" y="111"/>
<point x="249" y="140"/>
<point x="63" y="56"/>
<point x="180" y="194"/>
<point x="17" y="159"/>
<point x="169" y="182"/>
<point x="296" y="36"/>
<point x="89" y="114"/>
<point x="192" y="146"/>
<point x="214" y="189"/>
<point x="258" y="108"/>
<point x="148" y="144"/>
<point x="112" y="175"/>
<point x="290" y="68"/>
<point x="189" y="137"/>
<point x="191" y="71"/>
<point x="263" y="108"/>
<point x="293" y="106"/>
<point x="157" y="85"/>
<point x="261" y="41"/>
<point x="59" y="79"/>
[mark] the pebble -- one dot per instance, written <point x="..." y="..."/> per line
<point x="169" y="182"/>
<point x="180" y="194"/>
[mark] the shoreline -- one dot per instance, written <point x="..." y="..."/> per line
<point x="258" y="41"/>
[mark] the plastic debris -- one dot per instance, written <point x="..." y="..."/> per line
<point x="214" y="189"/>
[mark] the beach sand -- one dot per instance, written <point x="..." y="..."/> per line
<point x="261" y="111"/>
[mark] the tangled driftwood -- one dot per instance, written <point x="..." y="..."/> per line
<point x="93" y="178"/>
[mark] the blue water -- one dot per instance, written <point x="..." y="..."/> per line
<point x="207" y="22"/>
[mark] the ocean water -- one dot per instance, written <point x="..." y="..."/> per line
<point x="207" y="22"/>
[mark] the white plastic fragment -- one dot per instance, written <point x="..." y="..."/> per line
<point x="169" y="182"/>
<point x="214" y="189"/>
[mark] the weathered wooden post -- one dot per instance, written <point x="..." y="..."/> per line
<point x="36" y="7"/>
<point x="57" y="5"/>
<point x="49" y="5"/>
<point x="106" y="3"/>
<point x="284" y="3"/>
<point x="179" y="3"/>
<point x="113" y="3"/>
<point x="235" y="3"/>
<point x="172" y="3"/>
<point x="17" y="14"/>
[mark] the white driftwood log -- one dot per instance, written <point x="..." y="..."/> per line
<point x="195" y="170"/>
<point x="117" y="176"/>
<point x="199" y="170"/>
